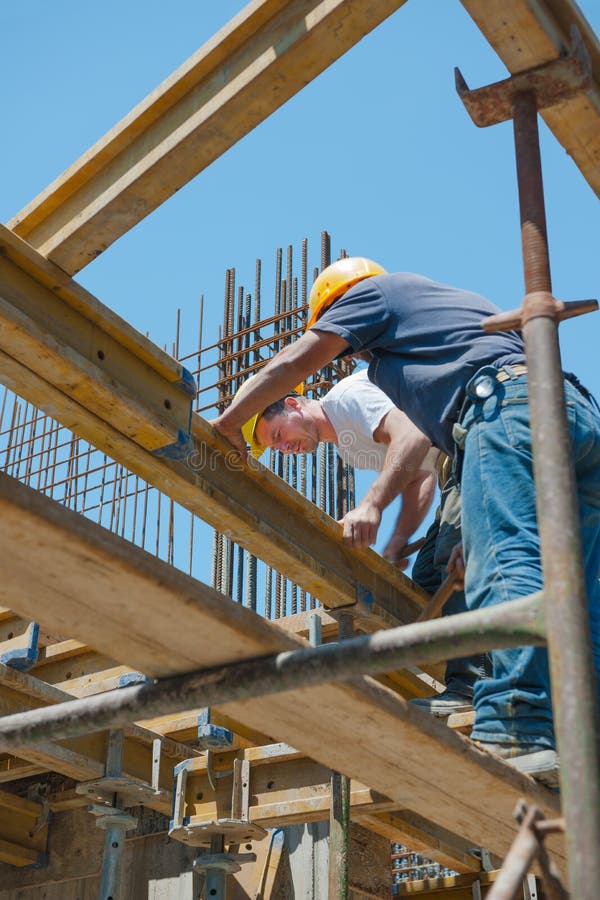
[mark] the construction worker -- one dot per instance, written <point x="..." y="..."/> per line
<point x="429" y="353"/>
<point x="370" y="432"/>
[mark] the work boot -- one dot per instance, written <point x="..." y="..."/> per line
<point x="445" y="704"/>
<point x="540" y="762"/>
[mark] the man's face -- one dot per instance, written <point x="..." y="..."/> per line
<point x="293" y="431"/>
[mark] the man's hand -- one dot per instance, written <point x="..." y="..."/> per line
<point x="361" y="525"/>
<point x="456" y="567"/>
<point x="393" y="551"/>
<point x="233" y="435"/>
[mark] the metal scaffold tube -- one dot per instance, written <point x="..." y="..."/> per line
<point x="513" y="624"/>
<point x="574" y="689"/>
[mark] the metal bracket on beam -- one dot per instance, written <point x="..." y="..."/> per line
<point x="21" y="653"/>
<point x="212" y="737"/>
<point x="235" y="830"/>
<point x="484" y="858"/>
<point x="553" y="83"/>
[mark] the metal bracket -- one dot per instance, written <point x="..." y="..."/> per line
<point x="132" y="792"/>
<point x="112" y="817"/>
<point x="235" y="830"/>
<point x="212" y="737"/>
<point x="484" y="858"/>
<point x="230" y="863"/>
<point x="530" y="891"/>
<point x="552" y="83"/>
<point x="22" y="653"/>
<point x="39" y="794"/>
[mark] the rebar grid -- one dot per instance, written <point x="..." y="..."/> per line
<point x="38" y="451"/>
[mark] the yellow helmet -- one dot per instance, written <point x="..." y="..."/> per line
<point x="249" y="427"/>
<point x="335" y="281"/>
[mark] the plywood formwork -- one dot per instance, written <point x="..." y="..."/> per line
<point x="90" y="587"/>
<point x="250" y="504"/>
<point x="359" y="727"/>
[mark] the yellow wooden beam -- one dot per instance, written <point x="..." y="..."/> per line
<point x="356" y="727"/>
<point x="285" y="788"/>
<point x="23" y="830"/>
<point x="57" y="331"/>
<point x="48" y="355"/>
<point x="529" y="33"/>
<point x="264" y="56"/>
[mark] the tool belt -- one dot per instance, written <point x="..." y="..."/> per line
<point x="481" y="386"/>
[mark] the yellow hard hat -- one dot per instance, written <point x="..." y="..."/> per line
<point x="335" y="281"/>
<point x="249" y="427"/>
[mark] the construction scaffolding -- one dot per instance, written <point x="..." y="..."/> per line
<point x="195" y="707"/>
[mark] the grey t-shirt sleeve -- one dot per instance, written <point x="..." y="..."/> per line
<point x="360" y="316"/>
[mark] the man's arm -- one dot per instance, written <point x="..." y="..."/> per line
<point x="416" y="500"/>
<point x="282" y="373"/>
<point x="407" y="448"/>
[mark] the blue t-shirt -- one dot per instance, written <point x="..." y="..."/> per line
<point x="427" y="342"/>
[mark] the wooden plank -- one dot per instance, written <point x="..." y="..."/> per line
<point x="83" y="759"/>
<point x="71" y="351"/>
<point x="257" y="509"/>
<point x="264" y="56"/>
<point x="285" y="789"/>
<point x="422" y="836"/>
<point x="16" y="855"/>
<point x="359" y="728"/>
<point x="529" y="33"/>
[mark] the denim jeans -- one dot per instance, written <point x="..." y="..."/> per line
<point x="502" y="552"/>
<point x="429" y="570"/>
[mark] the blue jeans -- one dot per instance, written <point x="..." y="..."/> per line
<point x="502" y="553"/>
<point x="429" y="570"/>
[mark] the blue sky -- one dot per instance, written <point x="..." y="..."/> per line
<point x="378" y="150"/>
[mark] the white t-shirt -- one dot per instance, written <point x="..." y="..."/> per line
<point x="355" y="408"/>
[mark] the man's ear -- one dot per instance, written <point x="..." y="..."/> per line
<point x="291" y="402"/>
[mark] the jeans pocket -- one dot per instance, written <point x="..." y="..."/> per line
<point x="514" y="416"/>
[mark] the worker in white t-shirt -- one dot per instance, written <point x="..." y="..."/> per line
<point x="370" y="432"/>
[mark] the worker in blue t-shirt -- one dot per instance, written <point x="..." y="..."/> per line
<point x="426" y="350"/>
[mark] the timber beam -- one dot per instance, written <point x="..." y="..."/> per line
<point x="529" y="33"/>
<point x="265" y="55"/>
<point x="261" y="58"/>
<point x="23" y="831"/>
<point x="49" y="356"/>
<point x="357" y="727"/>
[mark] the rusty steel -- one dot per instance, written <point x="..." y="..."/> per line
<point x="571" y="664"/>
<point x="555" y="82"/>
<point x="516" y="623"/>
<point x="574" y="690"/>
<point x="526" y="848"/>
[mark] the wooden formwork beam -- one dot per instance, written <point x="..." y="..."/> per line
<point x="158" y="619"/>
<point x="23" y="831"/>
<point x="52" y="360"/>
<point x="264" y="56"/>
<point x="528" y="33"/>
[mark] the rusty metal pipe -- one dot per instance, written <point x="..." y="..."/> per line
<point x="573" y="678"/>
<point x="517" y="623"/>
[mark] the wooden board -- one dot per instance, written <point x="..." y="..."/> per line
<point x="250" y="68"/>
<point x="248" y="503"/>
<point x="265" y="55"/>
<point x="527" y="34"/>
<point x="359" y="728"/>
